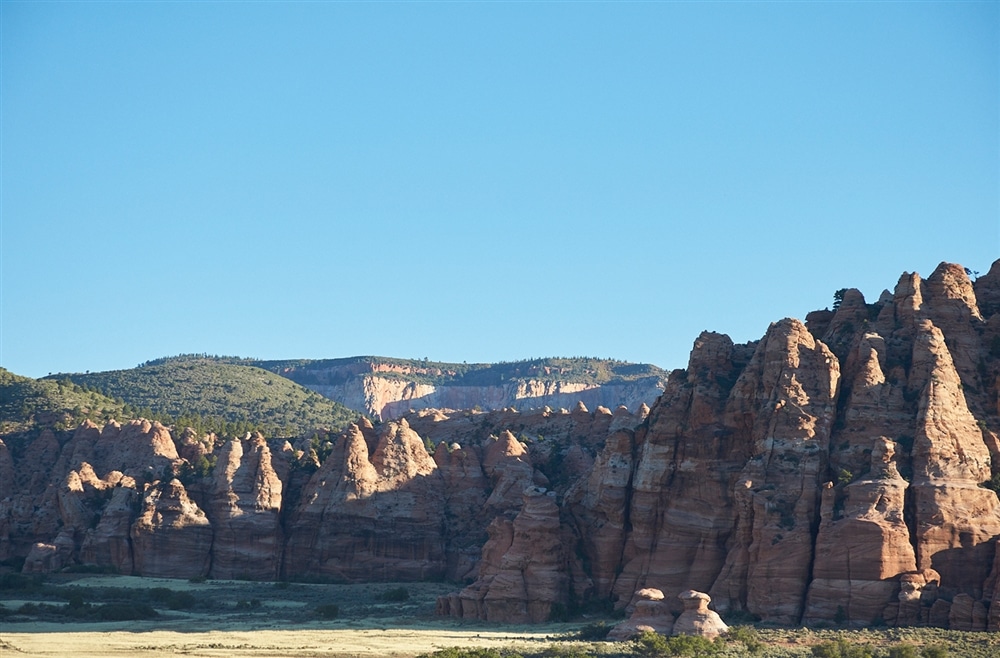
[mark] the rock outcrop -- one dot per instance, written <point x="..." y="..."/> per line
<point x="371" y="517"/>
<point x="244" y="509"/>
<point x="525" y="568"/>
<point x="839" y="470"/>
<point x="697" y="619"/>
<point x="389" y="389"/>
<point x="648" y="614"/>
<point x="172" y="538"/>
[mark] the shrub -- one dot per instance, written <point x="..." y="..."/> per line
<point x="842" y="649"/>
<point x="20" y="582"/>
<point x="397" y="595"/>
<point x="455" y="652"/>
<point x="654" y="645"/>
<point x="124" y="611"/>
<point x="594" y="632"/>
<point x="651" y="645"/>
<point x="173" y="599"/>
<point x="934" y="651"/>
<point x="75" y="601"/>
<point x="328" y="610"/>
<point x="993" y="484"/>
<point x="557" y="651"/>
<point x="748" y="635"/>
<point x="903" y="651"/>
<point x="691" y="645"/>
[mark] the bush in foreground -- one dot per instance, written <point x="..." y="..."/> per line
<point x="654" y="645"/>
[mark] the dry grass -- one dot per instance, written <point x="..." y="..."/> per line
<point x="283" y="624"/>
<point x="224" y="621"/>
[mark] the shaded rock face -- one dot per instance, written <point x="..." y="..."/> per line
<point x="831" y="471"/>
<point x="374" y="517"/>
<point x="172" y="538"/>
<point x="525" y="568"/>
<point x="378" y="508"/>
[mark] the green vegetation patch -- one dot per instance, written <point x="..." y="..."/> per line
<point x="211" y="394"/>
<point x="26" y="403"/>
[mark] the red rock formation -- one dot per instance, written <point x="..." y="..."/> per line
<point x="507" y="463"/>
<point x="862" y="546"/>
<point x="680" y="509"/>
<point x="371" y="518"/>
<point x="697" y="619"/>
<point x="598" y="503"/>
<point x="464" y="490"/>
<point x="956" y="519"/>
<point x="530" y="576"/>
<point x="172" y="537"/>
<point x="649" y="614"/>
<point x="109" y="544"/>
<point x="820" y="473"/>
<point x="244" y="509"/>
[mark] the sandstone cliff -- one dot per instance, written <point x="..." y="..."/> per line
<point x="390" y="388"/>
<point x="832" y="471"/>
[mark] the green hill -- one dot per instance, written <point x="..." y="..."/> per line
<point x="26" y="403"/>
<point x="217" y="394"/>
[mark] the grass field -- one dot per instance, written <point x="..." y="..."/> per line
<point x="238" y="618"/>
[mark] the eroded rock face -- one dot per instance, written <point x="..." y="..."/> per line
<point x="681" y="509"/>
<point x="172" y="537"/>
<point x="244" y="510"/>
<point x="956" y="518"/>
<point x="390" y="391"/>
<point x="374" y="517"/>
<point x="828" y="471"/>
<point x="786" y="401"/>
<point x="525" y="568"/>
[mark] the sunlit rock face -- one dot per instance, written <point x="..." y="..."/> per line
<point x="831" y="471"/>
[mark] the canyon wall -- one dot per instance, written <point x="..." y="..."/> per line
<point x="831" y="472"/>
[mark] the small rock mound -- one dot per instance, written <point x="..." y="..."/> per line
<point x="650" y="614"/>
<point x="697" y="619"/>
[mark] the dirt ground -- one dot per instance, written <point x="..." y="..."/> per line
<point x="237" y="618"/>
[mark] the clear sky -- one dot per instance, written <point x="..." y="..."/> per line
<point x="477" y="181"/>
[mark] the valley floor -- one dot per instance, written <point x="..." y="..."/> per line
<point x="263" y="620"/>
<point x="238" y="618"/>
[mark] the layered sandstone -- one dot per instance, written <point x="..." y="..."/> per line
<point x="378" y="516"/>
<point x="831" y="471"/>
<point x="244" y="509"/>
<point x="525" y="572"/>
<point x="172" y="537"/>
<point x="649" y="613"/>
<point x="697" y="619"/>
<point x="391" y="390"/>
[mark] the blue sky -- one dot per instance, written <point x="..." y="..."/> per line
<point x="477" y="181"/>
